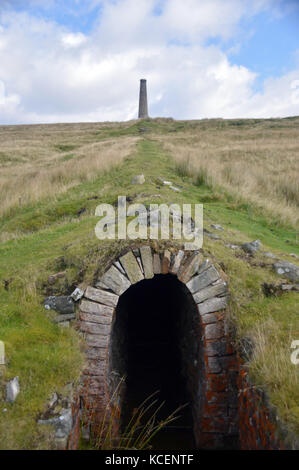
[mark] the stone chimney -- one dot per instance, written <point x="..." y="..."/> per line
<point x="143" y="110"/>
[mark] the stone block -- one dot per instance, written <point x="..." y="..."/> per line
<point x="147" y="261"/>
<point x="94" y="318"/>
<point x="208" y="318"/>
<point x="101" y="296"/>
<point x="97" y="341"/>
<point x="203" y="280"/>
<point x="131" y="266"/>
<point x="115" y="281"/>
<point x="166" y="262"/>
<point x="61" y="304"/>
<point x="214" y="331"/>
<point x="190" y="267"/>
<point x="177" y="262"/>
<point x="209" y="292"/>
<point x="212" y="305"/>
<point x="214" y="365"/>
<point x="94" y="328"/>
<point x="96" y="309"/>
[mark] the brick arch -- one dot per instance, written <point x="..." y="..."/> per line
<point x="215" y="420"/>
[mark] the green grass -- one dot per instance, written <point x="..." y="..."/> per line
<point x="51" y="236"/>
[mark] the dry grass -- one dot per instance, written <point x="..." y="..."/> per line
<point x="272" y="367"/>
<point x="39" y="162"/>
<point x="257" y="163"/>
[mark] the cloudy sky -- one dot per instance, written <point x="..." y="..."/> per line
<point x="81" y="60"/>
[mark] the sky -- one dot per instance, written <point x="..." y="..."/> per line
<point x="81" y="60"/>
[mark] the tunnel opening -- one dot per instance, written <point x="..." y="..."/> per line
<point x="155" y="346"/>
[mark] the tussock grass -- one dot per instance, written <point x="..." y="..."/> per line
<point x="39" y="168"/>
<point x="273" y="370"/>
<point x="255" y="163"/>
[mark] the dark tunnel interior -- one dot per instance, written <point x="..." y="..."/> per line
<point x="154" y="345"/>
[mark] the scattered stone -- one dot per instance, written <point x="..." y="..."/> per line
<point x="64" y="318"/>
<point x="62" y="304"/>
<point x="101" y="296"/>
<point x="174" y="188"/>
<point x="2" y="353"/>
<point x="275" y="290"/>
<point x="53" y="277"/>
<point x="294" y="255"/>
<point x="288" y="270"/>
<point x="217" y="227"/>
<point x="138" y="179"/>
<point x="132" y="268"/>
<point x="147" y="261"/>
<point x="251" y="247"/>
<point x="203" y="280"/>
<point x="232" y="247"/>
<point x="268" y="254"/>
<point x="12" y="390"/>
<point x="77" y="294"/>
<point x="62" y="423"/>
<point x="212" y="305"/>
<point x="211" y="235"/>
<point x="114" y="280"/>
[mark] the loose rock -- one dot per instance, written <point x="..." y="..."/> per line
<point x="251" y="247"/>
<point x="288" y="270"/>
<point x="12" y="390"/>
<point x="77" y="294"/>
<point x="138" y="179"/>
<point x="217" y="227"/>
<point x="61" y="304"/>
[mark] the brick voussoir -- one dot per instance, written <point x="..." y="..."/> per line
<point x="212" y="305"/>
<point x="96" y="308"/>
<point x="95" y="328"/>
<point x="101" y="296"/>
<point x="93" y="318"/>
<point x="205" y="279"/>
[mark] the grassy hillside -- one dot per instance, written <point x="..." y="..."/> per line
<point x="53" y="177"/>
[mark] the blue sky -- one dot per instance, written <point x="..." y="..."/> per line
<point x="81" y="60"/>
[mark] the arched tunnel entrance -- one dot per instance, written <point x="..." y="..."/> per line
<point x="155" y="346"/>
<point x="166" y="333"/>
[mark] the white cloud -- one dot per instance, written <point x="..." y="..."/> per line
<point x="51" y="74"/>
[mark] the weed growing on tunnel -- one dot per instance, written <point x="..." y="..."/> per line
<point x="142" y="427"/>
